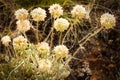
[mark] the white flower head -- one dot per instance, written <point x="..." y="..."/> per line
<point x="23" y="25"/>
<point x="107" y="20"/>
<point x="61" y="24"/>
<point x="56" y="10"/>
<point x="20" y="43"/>
<point x="21" y="14"/>
<point x="6" y="40"/>
<point x="45" y="65"/>
<point x="43" y="48"/>
<point x="38" y="14"/>
<point x="61" y="51"/>
<point x="78" y="12"/>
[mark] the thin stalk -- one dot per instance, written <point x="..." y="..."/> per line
<point x="87" y="38"/>
<point x="65" y="1"/>
<point x="84" y="38"/>
<point x="51" y="31"/>
<point x="9" y="52"/>
<point x="25" y="35"/>
<point x="49" y="34"/>
<point x="71" y="26"/>
<point x="12" y="51"/>
<point x="66" y="34"/>
<point x="60" y="38"/>
<point x="14" y="70"/>
<point x="52" y="38"/>
<point x="35" y="59"/>
<point x="37" y="32"/>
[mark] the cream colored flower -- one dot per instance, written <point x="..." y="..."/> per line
<point x="61" y="51"/>
<point x="45" y="65"/>
<point x="78" y="12"/>
<point x="107" y="20"/>
<point x="56" y="10"/>
<point x="23" y="25"/>
<point x="38" y="14"/>
<point x="61" y="24"/>
<point x="20" y="43"/>
<point x="43" y="48"/>
<point x="6" y="40"/>
<point x="21" y="14"/>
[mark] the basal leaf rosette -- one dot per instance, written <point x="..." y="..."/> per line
<point x="38" y="14"/>
<point x="61" y="51"/>
<point x="107" y="21"/>
<point x="56" y="10"/>
<point x="79" y="12"/>
<point x="23" y="25"/>
<point x="61" y="24"/>
<point x="21" y="14"/>
<point x="6" y="40"/>
<point x="20" y="43"/>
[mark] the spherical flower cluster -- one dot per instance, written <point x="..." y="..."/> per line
<point x="6" y="40"/>
<point x="56" y="10"/>
<point x="61" y="51"/>
<point x="61" y="24"/>
<point x="23" y="25"/>
<point x="21" y="14"/>
<point x="78" y="12"/>
<point x="43" y="48"/>
<point x="20" y="43"/>
<point x="107" y="20"/>
<point x="38" y="14"/>
<point x="45" y="65"/>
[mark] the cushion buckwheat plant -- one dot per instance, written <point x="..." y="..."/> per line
<point x="107" y="20"/>
<point x="21" y="14"/>
<point x="41" y="61"/>
<point x="43" y="48"/>
<point x="38" y="14"/>
<point x="61" y="51"/>
<point x="20" y="43"/>
<point x="61" y="24"/>
<point x="45" y="65"/>
<point x="41" y="68"/>
<point x="78" y="12"/>
<point x="56" y="10"/>
<point x="6" y="40"/>
<point x="23" y="25"/>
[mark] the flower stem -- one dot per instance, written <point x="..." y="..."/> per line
<point x="60" y="37"/>
<point x="87" y="37"/>
<point x="37" y="32"/>
<point x="66" y="35"/>
<point x="14" y="70"/>
<point x="49" y="34"/>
